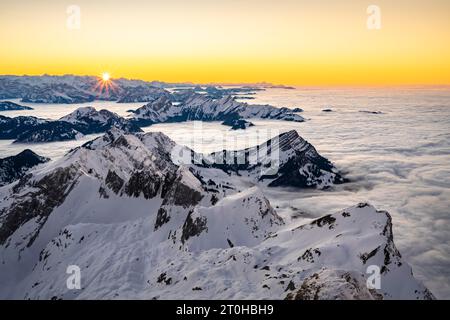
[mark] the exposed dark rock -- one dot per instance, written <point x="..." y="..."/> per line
<point x="44" y="195"/>
<point x="114" y="182"/>
<point x="163" y="278"/>
<point x="325" y="220"/>
<point x="309" y="254"/>
<point x="181" y="194"/>
<point x="192" y="227"/>
<point x="237" y="124"/>
<point x="322" y="285"/>
<point x="161" y="218"/>
<point x="143" y="182"/>
<point x="366" y="256"/>
<point x="290" y="286"/>
<point x="371" y="112"/>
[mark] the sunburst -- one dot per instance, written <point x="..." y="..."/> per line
<point x="105" y="84"/>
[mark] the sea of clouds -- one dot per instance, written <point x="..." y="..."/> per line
<point x="397" y="160"/>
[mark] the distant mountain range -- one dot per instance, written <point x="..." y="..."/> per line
<point x="80" y="89"/>
<point x="76" y="89"/>
<point x="185" y="104"/>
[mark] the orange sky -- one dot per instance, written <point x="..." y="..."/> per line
<point x="301" y="42"/>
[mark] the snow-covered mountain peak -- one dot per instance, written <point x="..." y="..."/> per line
<point x="194" y="106"/>
<point x="120" y="209"/>
<point x="88" y="114"/>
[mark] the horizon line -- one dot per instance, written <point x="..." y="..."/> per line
<point x="238" y="83"/>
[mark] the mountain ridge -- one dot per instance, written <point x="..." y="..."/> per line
<point x="139" y="225"/>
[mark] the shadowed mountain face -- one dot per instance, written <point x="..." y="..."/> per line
<point x="121" y="207"/>
<point x="82" y="121"/>
<point x="15" y="167"/>
<point x="11" y="106"/>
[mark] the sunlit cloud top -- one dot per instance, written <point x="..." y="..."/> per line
<point x="325" y="42"/>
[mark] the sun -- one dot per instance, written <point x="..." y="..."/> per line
<point x="105" y="84"/>
<point x="105" y="76"/>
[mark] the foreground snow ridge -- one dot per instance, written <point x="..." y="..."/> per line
<point x="140" y="226"/>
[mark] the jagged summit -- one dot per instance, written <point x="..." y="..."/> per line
<point x="194" y="106"/>
<point x="285" y="160"/>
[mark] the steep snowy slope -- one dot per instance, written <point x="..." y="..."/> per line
<point x="139" y="225"/>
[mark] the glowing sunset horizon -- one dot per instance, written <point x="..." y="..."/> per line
<point x="284" y="42"/>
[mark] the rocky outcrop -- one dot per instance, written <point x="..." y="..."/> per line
<point x="33" y="202"/>
<point x="237" y="124"/>
<point x="334" y="285"/>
